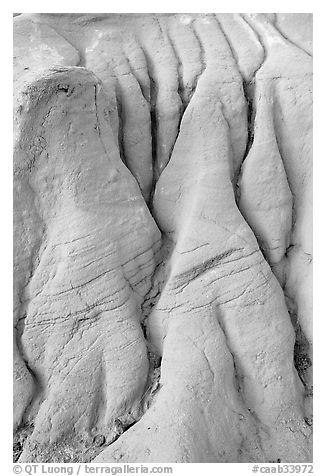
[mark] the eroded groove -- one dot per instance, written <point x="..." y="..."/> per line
<point x="141" y="88"/>
<point x="249" y="25"/>
<point x="290" y="41"/>
<point x="202" y="59"/>
<point x="233" y="51"/>
<point x="248" y="91"/>
<point x="152" y="103"/>
<point x="121" y="127"/>
<point x="180" y="74"/>
<point x="181" y="86"/>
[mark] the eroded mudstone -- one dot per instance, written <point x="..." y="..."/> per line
<point x="162" y="232"/>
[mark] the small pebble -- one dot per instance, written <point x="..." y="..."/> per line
<point x="99" y="440"/>
<point x="17" y="447"/>
<point x="309" y="421"/>
<point x="118" y="426"/>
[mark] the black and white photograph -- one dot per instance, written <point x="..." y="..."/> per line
<point x="162" y="241"/>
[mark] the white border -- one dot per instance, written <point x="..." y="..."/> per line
<point x="319" y="199"/>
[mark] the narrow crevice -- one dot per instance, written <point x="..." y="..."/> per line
<point x="249" y="92"/>
<point x="153" y="112"/>
<point x="152" y="385"/>
<point x="176" y="138"/>
<point x="156" y="172"/>
<point x="153" y="380"/>
<point x="153" y="96"/>
<point x="180" y="74"/>
<point x="260" y="41"/>
<point x="133" y="72"/>
<point x="185" y="101"/>
<point x="20" y="438"/>
<point x="232" y="50"/>
<point x="120" y="426"/>
<point x="153" y="115"/>
<point x="302" y="361"/>
<point x="158" y="280"/>
<point x="181" y="92"/>
<point x="120" y="124"/>
<point x="151" y="388"/>
<point x="203" y="63"/>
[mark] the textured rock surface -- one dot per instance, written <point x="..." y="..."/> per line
<point x="162" y="231"/>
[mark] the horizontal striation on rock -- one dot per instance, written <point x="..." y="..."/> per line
<point x="162" y="237"/>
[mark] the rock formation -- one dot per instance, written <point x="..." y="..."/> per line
<point x="162" y="237"/>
